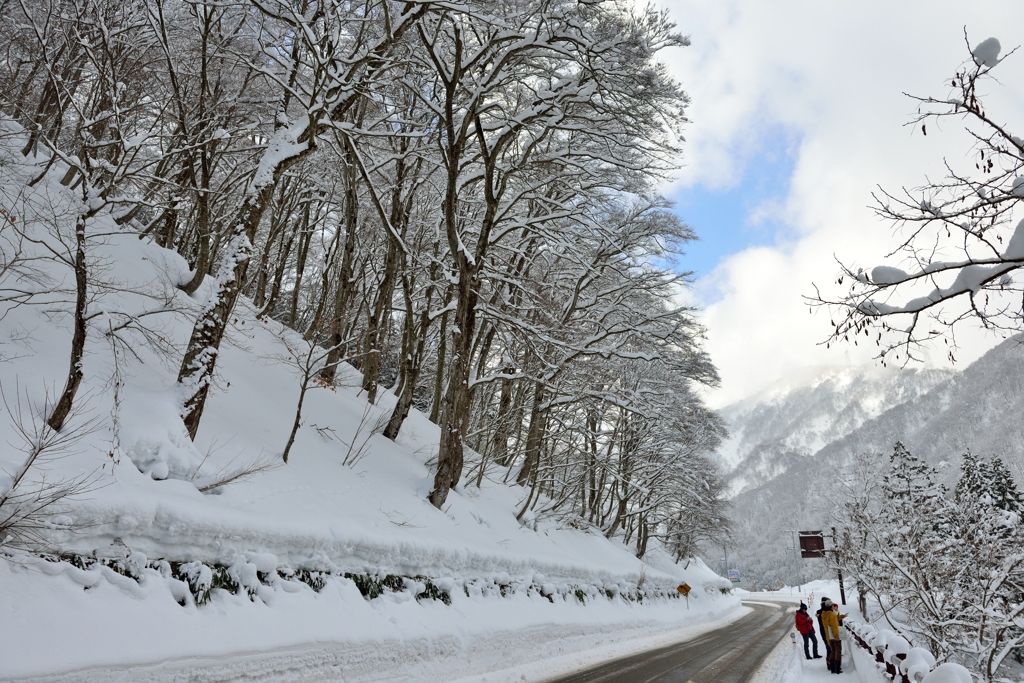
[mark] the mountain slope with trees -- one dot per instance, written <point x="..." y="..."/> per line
<point x="292" y="506"/>
<point x="459" y="204"/>
<point x="773" y="431"/>
<point x="975" y="409"/>
<point x="310" y="305"/>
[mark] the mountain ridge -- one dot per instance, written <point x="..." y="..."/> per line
<point x="774" y="429"/>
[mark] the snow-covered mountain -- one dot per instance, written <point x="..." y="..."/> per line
<point x="777" y="428"/>
<point x="978" y="408"/>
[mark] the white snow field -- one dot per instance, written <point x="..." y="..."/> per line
<point x="123" y="614"/>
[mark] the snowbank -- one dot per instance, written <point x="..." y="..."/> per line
<point x="88" y="628"/>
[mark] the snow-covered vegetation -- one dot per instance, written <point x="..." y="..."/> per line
<point x="458" y="204"/>
<point x="946" y="572"/>
<point x="307" y="310"/>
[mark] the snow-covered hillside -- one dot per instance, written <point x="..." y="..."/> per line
<point x="284" y="555"/>
<point x="975" y="409"/>
<point x="776" y="429"/>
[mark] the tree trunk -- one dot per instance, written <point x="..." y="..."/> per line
<point x="643" y="534"/>
<point x="202" y="265"/>
<point x="408" y="373"/>
<point x="442" y="356"/>
<point x="455" y="407"/>
<point x="305" y="237"/>
<point x="346" y="279"/>
<point x="197" y="366"/>
<point x="381" y="309"/>
<point x="74" y="380"/>
<point x="499" y="440"/>
<point x="413" y="347"/>
<point x="282" y="265"/>
<point x="534" y="437"/>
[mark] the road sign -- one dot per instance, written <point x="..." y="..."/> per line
<point x="683" y="588"/>
<point x="734" y="575"/>
<point x="812" y="544"/>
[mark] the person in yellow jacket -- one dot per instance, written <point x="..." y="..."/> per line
<point x="830" y="619"/>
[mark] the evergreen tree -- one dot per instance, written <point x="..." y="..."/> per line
<point x="910" y="486"/>
<point x="971" y="483"/>
<point x="1003" y="489"/>
<point x="987" y="483"/>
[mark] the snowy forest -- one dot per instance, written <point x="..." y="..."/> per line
<point x="349" y="300"/>
<point x="460" y="202"/>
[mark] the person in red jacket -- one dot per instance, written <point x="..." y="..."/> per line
<point x="805" y="625"/>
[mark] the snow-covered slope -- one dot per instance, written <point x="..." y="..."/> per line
<point x="779" y="427"/>
<point x="348" y="501"/>
<point x="978" y="408"/>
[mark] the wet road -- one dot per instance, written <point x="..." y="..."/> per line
<point x="728" y="655"/>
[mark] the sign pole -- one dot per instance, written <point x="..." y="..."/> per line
<point x="684" y="588"/>
<point x="835" y="549"/>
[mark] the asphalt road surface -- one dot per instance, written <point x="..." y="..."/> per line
<point x="728" y="655"/>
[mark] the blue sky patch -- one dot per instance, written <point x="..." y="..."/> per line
<point x="748" y="213"/>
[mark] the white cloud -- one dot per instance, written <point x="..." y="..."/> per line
<point x="832" y="76"/>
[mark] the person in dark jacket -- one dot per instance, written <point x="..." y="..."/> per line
<point x="826" y="604"/>
<point x="805" y="625"/>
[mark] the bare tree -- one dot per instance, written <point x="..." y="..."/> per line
<point x="959" y="250"/>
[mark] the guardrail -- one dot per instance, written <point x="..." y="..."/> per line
<point x="896" y="659"/>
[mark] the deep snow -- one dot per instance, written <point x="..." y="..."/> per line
<point x="314" y="513"/>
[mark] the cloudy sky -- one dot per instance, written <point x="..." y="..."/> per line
<point x="798" y="114"/>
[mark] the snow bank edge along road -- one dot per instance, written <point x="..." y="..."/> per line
<point x="476" y="639"/>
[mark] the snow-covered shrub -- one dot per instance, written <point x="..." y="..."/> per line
<point x="313" y="579"/>
<point x="432" y="591"/>
<point x="199" y="578"/>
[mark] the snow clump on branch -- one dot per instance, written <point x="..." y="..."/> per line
<point x="986" y="53"/>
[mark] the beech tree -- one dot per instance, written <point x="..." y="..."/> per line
<point x="535" y="85"/>
<point x="457" y="202"/>
<point x="319" y="84"/>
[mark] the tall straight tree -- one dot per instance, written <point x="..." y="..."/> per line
<point x="522" y="86"/>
